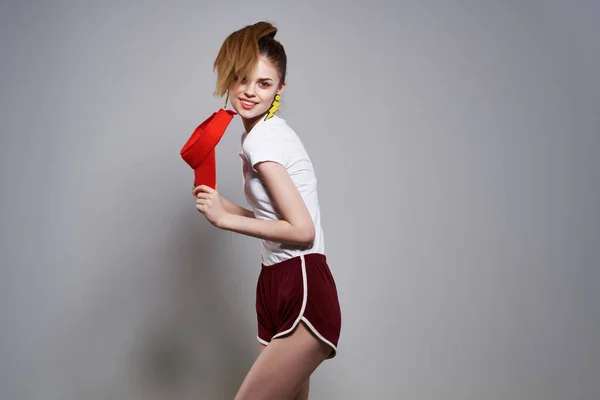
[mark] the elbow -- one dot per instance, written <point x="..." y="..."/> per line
<point x="306" y="236"/>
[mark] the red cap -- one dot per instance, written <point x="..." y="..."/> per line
<point x="199" y="151"/>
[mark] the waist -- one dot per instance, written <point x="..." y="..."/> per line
<point x="295" y="260"/>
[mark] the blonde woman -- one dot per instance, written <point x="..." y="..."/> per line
<point x="297" y="307"/>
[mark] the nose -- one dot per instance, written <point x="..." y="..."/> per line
<point x="249" y="90"/>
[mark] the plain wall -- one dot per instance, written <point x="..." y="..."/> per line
<point x="455" y="146"/>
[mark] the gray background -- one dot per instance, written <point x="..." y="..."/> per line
<point x="454" y="144"/>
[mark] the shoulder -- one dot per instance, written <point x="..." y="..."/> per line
<point x="274" y="131"/>
<point x="274" y="124"/>
<point x="271" y="140"/>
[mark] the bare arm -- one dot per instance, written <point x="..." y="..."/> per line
<point x="229" y="206"/>
<point x="279" y="231"/>
<point x="295" y="228"/>
<point x="236" y="209"/>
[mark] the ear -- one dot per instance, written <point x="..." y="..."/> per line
<point x="281" y="88"/>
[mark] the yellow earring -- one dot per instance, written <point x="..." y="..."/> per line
<point x="226" y="99"/>
<point x="274" y="106"/>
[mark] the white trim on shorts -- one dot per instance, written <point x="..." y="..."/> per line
<point x="301" y="316"/>
<point x="261" y="341"/>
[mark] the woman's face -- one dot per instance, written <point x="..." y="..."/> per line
<point x="252" y="98"/>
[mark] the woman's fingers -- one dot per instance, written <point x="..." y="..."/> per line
<point x="201" y="205"/>
<point x="204" y="189"/>
<point x="204" y="196"/>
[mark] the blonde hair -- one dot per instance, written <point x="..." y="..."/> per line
<point x="240" y="51"/>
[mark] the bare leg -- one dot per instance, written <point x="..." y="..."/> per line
<point x="284" y="367"/>
<point x="304" y="390"/>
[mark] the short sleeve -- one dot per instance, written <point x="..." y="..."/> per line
<point x="268" y="145"/>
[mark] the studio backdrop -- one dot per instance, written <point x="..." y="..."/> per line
<point x="455" y="145"/>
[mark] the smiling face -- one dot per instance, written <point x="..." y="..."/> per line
<point x="251" y="98"/>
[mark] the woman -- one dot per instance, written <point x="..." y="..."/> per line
<point x="298" y="312"/>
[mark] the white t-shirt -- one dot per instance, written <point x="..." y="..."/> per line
<point x="274" y="140"/>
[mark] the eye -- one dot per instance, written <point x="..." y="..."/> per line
<point x="265" y="84"/>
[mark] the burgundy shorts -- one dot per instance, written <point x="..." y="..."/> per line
<point x="298" y="289"/>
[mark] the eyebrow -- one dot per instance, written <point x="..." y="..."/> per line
<point x="264" y="79"/>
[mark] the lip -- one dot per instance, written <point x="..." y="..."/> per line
<point x="245" y="106"/>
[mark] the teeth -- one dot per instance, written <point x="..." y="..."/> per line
<point x="247" y="103"/>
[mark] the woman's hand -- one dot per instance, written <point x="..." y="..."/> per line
<point x="209" y="203"/>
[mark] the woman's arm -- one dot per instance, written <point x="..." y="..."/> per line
<point x="236" y="209"/>
<point x="279" y="231"/>
<point x="295" y="228"/>
<point x="229" y="206"/>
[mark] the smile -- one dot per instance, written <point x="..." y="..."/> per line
<point x="247" y="105"/>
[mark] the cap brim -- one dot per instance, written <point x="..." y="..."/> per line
<point x="199" y="150"/>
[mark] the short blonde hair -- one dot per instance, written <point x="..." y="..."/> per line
<point x="240" y="51"/>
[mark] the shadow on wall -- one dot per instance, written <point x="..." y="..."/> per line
<point x="192" y="348"/>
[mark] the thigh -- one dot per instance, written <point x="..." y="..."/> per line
<point x="304" y="390"/>
<point x="284" y="366"/>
